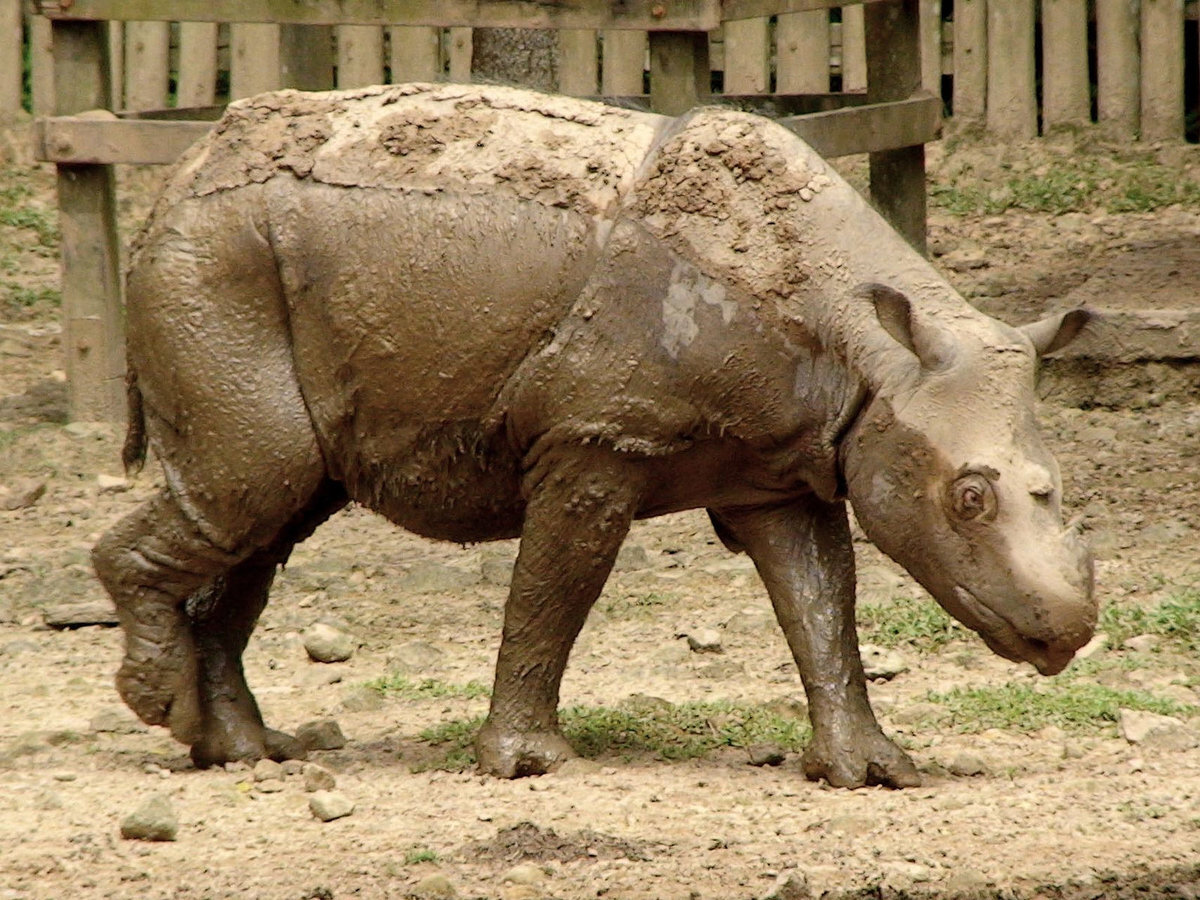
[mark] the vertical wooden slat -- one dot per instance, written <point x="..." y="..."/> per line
<point x="41" y="59"/>
<point x="1011" y="97"/>
<point x="802" y="52"/>
<point x="894" y="73"/>
<point x="10" y="59"/>
<point x="147" y="52"/>
<point x="93" y="338"/>
<point x="854" y="49"/>
<point x="679" y="72"/>
<point x="197" y="63"/>
<point x="970" y="60"/>
<point x="460" y="54"/>
<point x="306" y="57"/>
<point x="359" y="55"/>
<point x="931" y="46"/>
<point x="254" y="59"/>
<point x="1065" y="80"/>
<point x="624" y="59"/>
<point x="116" y="62"/>
<point x="578" y="62"/>
<point x="1117" y="59"/>
<point x="1162" y="70"/>
<point x="747" y="56"/>
<point x="414" y="54"/>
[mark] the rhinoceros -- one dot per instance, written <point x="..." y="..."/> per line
<point x="489" y="313"/>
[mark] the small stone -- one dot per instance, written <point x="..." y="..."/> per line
<point x="880" y="663"/>
<point x="267" y="770"/>
<point x="1152" y="730"/>
<point x="330" y="805"/>
<point x="766" y="754"/>
<point x="318" y="778"/>
<point x="65" y="776"/>
<point x="413" y="657"/>
<point x="326" y="644"/>
<point x="321" y="734"/>
<point x="523" y="874"/>
<point x="434" y="887"/>
<point x="154" y="820"/>
<point x="114" y="721"/>
<point x="1142" y="643"/>
<point x="790" y="885"/>
<point x="79" y="615"/>
<point x="361" y="699"/>
<point x="631" y="558"/>
<point x="750" y="621"/>
<point x="22" y="494"/>
<point x="1098" y="644"/>
<point x="269" y="786"/>
<point x="112" y="484"/>
<point x="704" y="640"/>
<point x="967" y="765"/>
<point x="293" y="767"/>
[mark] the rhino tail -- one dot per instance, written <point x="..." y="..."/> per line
<point x="133" y="454"/>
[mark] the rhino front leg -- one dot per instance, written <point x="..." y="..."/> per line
<point x="578" y="513"/>
<point x="804" y="553"/>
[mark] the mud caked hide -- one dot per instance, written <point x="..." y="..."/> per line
<point x="488" y="313"/>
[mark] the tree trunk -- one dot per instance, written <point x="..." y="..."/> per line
<point x="519" y="56"/>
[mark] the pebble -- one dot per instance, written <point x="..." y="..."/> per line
<point x="1142" y="643"/>
<point x="321" y="734"/>
<point x="523" y="874"/>
<point x="154" y="820"/>
<point x="967" y="765"/>
<point x="415" y="656"/>
<point x="789" y="885"/>
<point x="631" y="558"/>
<point x="750" y="621"/>
<point x="268" y="770"/>
<point x="115" y="721"/>
<point x="22" y="494"/>
<point x="318" y="778"/>
<point x="293" y="767"/>
<point x="330" y="805"/>
<point x="703" y="640"/>
<point x="1152" y="730"/>
<point x="434" y="887"/>
<point x="269" y="786"/>
<point x="766" y="754"/>
<point x="1098" y="644"/>
<point x="77" y="615"/>
<point x="112" y="484"/>
<point x="880" y="663"/>
<point x="326" y="644"/>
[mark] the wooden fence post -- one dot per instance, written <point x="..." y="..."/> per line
<point x="854" y="49"/>
<point x="679" y="71"/>
<point x="1011" y="101"/>
<point x="747" y="56"/>
<point x="970" y="60"/>
<point x="197" y="64"/>
<point x="802" y="52"/>
<point x="414" y="54"/>
<point x="93" y="336"/>
<point x="41" y="58"/>
<point x="1118" y="90"/>
<point x="1066" y="89"/>
<point x="147" y="52"/>
<point x="894" y="73"/>
<point x="931" y="46"/>
<point x="1162" y="70"/>
<point x="460" y="54"/>
<point x="623" y="63"/>
<point x="359" y="55"/>
<point x="578" y="62"/>
<point x="254" y="59"/>
<point x="10" y="59"/>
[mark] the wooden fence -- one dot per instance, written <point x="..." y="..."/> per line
<point x="1018" y="67"/>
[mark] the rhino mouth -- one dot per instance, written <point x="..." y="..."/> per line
<point x="1006" y="641"/>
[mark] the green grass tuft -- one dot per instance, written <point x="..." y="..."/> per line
<point x="901" y="621"/>
<point x="427" y="688"/>
<point x="1177" y="619"/>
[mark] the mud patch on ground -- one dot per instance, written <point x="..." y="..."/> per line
<point x="526" y="842"/>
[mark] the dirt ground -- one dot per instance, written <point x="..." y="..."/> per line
<point x="1043" y="814"/>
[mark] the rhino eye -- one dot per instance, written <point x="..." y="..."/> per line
<point x="974" y="497"/>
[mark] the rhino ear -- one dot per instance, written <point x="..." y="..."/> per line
<point x="1055" y="332"/>
<point x="894" y="311"/>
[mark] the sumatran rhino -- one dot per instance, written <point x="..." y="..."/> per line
<point x="488" y="313"/>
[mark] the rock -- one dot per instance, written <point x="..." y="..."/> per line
<point x="269" y="786"/>
<point x="631" y="558"/>
<point x="967" y="765"/>
<point x="116" y="721"/>
<point x="415" y="656"/>
<point x="17" y="647"/>
<point x="78" y="615"/>
<point x="1142" y="643"/>
<point x="766" y="754"/>
<point x="330" y="805"/>
<point x="880" y="663"/>
<point x="322" y="734"/>
<point x="268" y="770"/>
<point x="436" y="578"/>
<point x="293" y="767"/>
<point x="434" y="887"/>
<point x="496" y="571"/>
<point x="750" y="621"/>
<point x="318" y="778"/>
<point x="851" y="825"/>
<point x="361" y="699"/>
<point x="525" y="873"/>
<point x="1098" y="644"/>
<point x="326" y="644"/>
<point x="22" y="494"/>
<point x="112" y="484"/>
<point x="154" y="820"/>
<point x="791" y="884"/>
<point x="703" y="640"/>
<point x="1152" y="730"/>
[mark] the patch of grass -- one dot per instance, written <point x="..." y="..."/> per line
<point x="427" y="688"/>
<point x="19" y="297"/>
<point x="420" y="855"/>
<point x="1070" y="705"/>
<point x="1177" y="619"/>
<point x="636" y="602"/>
<point x="36" y="220"/>
<point x="906" y="622"/>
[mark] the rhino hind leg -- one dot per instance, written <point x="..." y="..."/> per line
<point x="579" y="512"/>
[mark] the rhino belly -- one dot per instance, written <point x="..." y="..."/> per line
<point x="409" y="312"/>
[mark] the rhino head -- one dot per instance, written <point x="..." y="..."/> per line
<point x="947" y="474"/>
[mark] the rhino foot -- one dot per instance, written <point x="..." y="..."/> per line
<point x="160" y="686"/>
<point x="871" y="759"/>
<point x="250" y="745"/>
<point x="514" y="754"/>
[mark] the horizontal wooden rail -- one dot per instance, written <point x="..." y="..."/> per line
<point x="102" y="138"/>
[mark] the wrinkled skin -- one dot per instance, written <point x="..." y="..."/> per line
<point x="486" y="314"/>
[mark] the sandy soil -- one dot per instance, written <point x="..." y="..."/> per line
<point x="1047" y="814"/>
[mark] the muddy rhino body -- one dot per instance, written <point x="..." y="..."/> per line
<point x="487" y="313"/>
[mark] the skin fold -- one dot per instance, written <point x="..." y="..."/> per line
<point x="487" y="313"/>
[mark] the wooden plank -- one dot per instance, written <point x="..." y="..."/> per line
<point x="359" y="55"/>
<point x="459" y="50"/>
<point x="1117" y="61"/>
<point x="643" y="15"/>
<point x="931" y="46"/>
<point x="578" y="62"/>
<point x="11" y="63"/>
<point x="854" y="49"/>
<point x="969" y="97"/>
<point x="745" y="9"/>
<point x="802" y="52"/>
<point x="41" y="60"/>
<point x="1066" y="97"/>
<point x="414" y="54"/>
<point x="1162" y="70"/>
<point x="93" y="336"/>
<point x="306" y="57"/>
<point x="147" y="64"/>
<point x="74" y="140"/>
<point x="871" y="128"/>
<point x="894" y="73"/>
<point x="197" y="63"/>
<point x="679" y="72"/>
<point x="623" y="63"/>
<point x="254" y="64"/>
<point x="1012" y="98"/>
<point x="116" y="62"/>
<point x="747" y="56"/>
